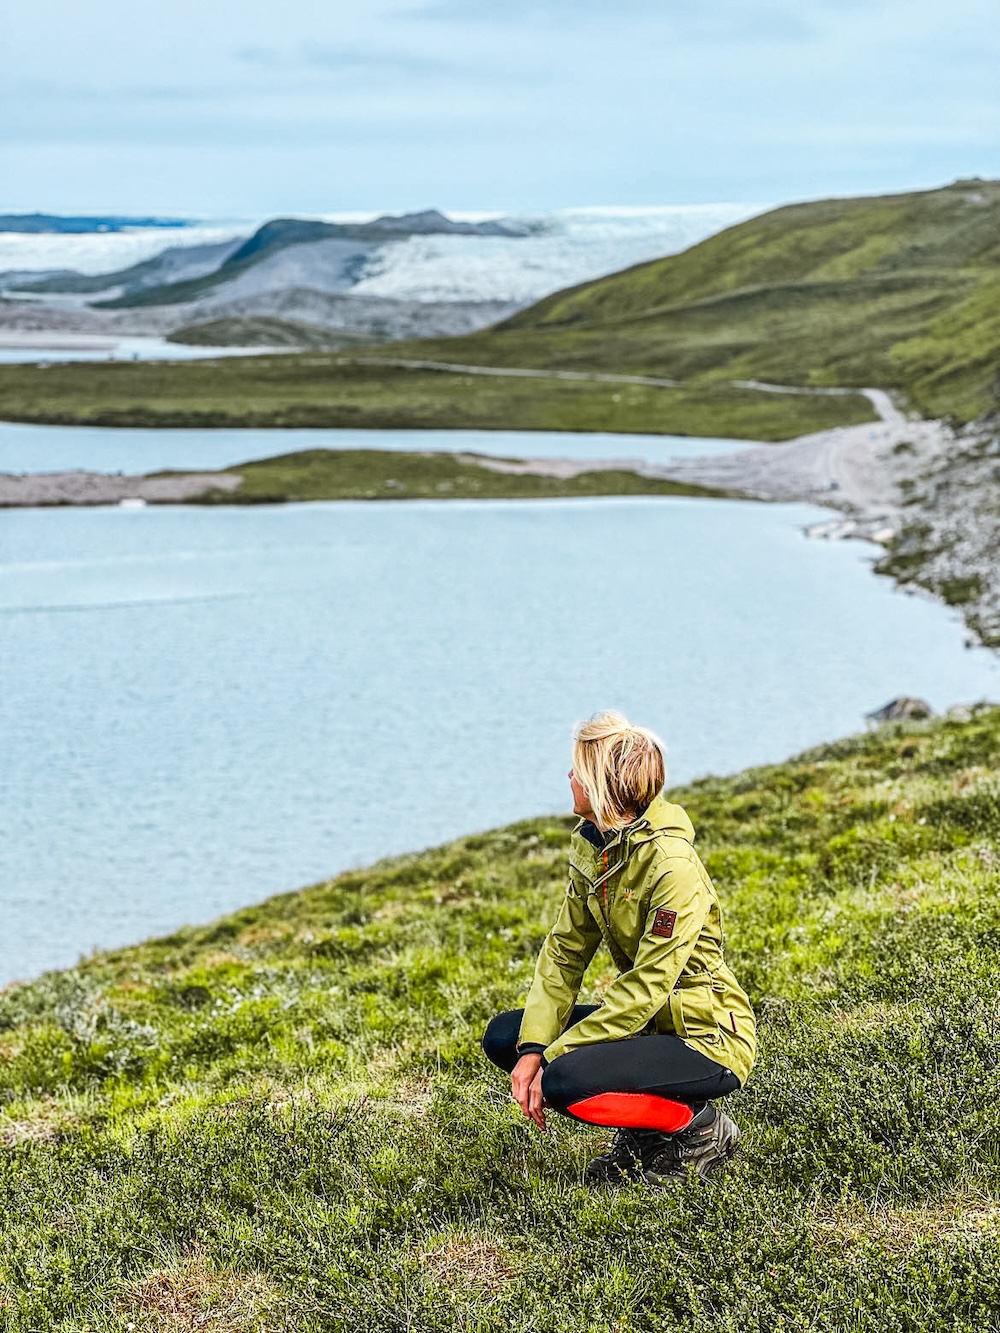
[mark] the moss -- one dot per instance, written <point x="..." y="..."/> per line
<point x="373" y="474"/>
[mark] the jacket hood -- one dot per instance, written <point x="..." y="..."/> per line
<point x="662" y="816"/>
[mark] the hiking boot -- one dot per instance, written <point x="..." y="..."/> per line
<point x="628" y="1153"/>
<point x="709" y="1140"/>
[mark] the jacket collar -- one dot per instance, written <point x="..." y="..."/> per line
<point x="660" y="816"/>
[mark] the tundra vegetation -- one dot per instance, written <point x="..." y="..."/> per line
<point x="282" y="1120"/>
<point x="372" y="474"/>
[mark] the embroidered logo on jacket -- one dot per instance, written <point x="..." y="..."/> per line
<point x="663" y="923"/>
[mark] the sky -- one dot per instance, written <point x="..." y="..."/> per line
<point x="212" y="108"/>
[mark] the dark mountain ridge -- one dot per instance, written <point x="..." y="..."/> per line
<point x="148" y="284"/>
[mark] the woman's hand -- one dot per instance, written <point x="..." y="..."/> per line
<point x="526" y="1088"/>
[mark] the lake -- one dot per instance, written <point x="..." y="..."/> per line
<point x="201" y="707"/>
<point x="25" y="448"/>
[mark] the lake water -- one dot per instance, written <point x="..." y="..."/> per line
<point x="24" y="349"/>
<point x="201" y="707"/>
<point x="96" y="448"/>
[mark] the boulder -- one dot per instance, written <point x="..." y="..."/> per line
<point x="902" y="709"/>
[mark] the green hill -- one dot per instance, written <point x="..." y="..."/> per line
<point x="899" y="292"/>
<point x="282" y="1120"/>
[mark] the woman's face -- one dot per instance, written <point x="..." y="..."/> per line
<point x="581" y="801"/>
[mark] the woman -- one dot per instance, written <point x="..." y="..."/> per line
<point x="674" y="1030"/>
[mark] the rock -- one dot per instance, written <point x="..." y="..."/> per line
<point x="902" y="709"/>
<point x="882" y="535"/>
<point x="832" y="530"/>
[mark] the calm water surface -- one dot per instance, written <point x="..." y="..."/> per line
<point x="203" y="707"/>
<point x="96" y="448"/>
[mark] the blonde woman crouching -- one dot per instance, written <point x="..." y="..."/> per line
<point x="674" y="1030"/>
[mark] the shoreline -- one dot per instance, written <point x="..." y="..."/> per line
<point x="912" y="487"/>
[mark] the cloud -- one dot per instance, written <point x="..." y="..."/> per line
<point x="502" y="103"/>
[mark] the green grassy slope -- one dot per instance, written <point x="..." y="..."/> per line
<point x="330" y="390"/>
<point x="899" y="292"/>
<point x="283" y="1121"/>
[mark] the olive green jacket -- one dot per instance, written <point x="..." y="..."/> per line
<point x="648" y="896"/>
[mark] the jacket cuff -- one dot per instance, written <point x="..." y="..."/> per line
<point x="531" y="1048"/>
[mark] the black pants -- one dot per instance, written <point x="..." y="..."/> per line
<point x="647" y="1082"/>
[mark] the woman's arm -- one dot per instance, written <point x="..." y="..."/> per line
<point x="676" y="915"/>
<point x="564" y="958"/>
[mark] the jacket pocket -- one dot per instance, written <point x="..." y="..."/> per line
<point x="692" y="1010"/>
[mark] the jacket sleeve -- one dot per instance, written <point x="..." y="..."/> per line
<point x="564" y="958"/>
<point x="677" y="908"/>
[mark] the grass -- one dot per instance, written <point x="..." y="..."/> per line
<point x="374" y="474"/>
<point x="897" y="292"/>
<point x="282" y="1120"/>
<point x="330" y="391"/>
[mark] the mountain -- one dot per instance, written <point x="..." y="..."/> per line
<point x="175" y="264"/>
<point x="339" y="251"/>
<point x="899" y="291"/>
<point x="392" y="278"/>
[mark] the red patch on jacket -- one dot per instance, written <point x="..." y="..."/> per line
<point x="664" y="922"/>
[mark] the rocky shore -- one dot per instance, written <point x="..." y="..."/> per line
<point x="36" y="490"/>
<point x="923" y="491"/>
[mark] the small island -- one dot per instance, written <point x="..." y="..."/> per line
<point x="349" y="474"/>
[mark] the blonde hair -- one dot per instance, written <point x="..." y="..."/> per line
<point x="619" y="766"/>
